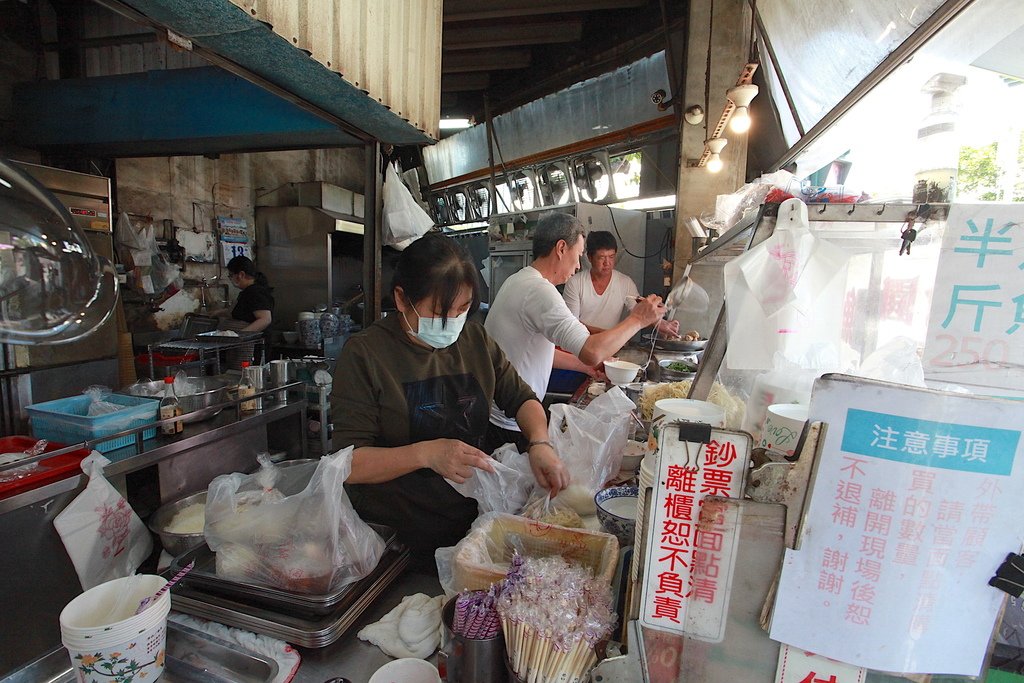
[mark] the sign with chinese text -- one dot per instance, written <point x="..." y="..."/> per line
<point x="913" y="505"/>
<point x="687" y="572"/>
<point x="976" y="328"/>
<point x="800" y="666"/>
<point x="234" y="238"/>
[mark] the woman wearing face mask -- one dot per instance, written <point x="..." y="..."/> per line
<point x="412" y="394"/>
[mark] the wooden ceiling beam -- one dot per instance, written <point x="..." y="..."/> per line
<point x="460" y="61"/>
<point x="513" y="35"/>
<point x="468" y="10"/>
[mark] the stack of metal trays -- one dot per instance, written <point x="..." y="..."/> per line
<point x="191" y="656"/>
<point x="300" y="619"/>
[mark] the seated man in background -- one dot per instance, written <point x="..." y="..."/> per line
<point x="528" y="318"/>
<point x="603" y="297"/>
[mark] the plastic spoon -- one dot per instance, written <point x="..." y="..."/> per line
<point x="146" y="602"/>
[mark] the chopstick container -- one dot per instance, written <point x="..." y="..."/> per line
<point x="470" y="660"/>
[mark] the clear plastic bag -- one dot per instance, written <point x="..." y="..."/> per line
<point x="552" y="511"/>
<point x="504" y="490"/>
<point x="291" y="528"/>
<point x="98" y="404"/>
<point x="590" y="443"/>
<point x="104" y="537"/>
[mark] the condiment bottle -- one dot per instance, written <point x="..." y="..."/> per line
<point x="246" y="389"/>
<point x="169" y="407"/>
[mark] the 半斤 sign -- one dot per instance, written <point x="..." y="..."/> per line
<point x="976" y="328"/>
<point x="913" y="506"/>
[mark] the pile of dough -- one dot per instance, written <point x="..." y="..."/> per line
<point x="412" y="629"/>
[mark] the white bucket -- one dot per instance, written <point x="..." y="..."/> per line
<point x="690" y="410"/>
<point x="407" y="670"/>
<point x="119" y="642"/>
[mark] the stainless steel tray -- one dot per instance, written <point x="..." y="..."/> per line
<point x="674" y="345"/>
<point x="299" y="629"/>
<point x="192" y="657"/>
<point x="203" y="577"/>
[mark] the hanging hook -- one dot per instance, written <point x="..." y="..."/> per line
<point x="823" y="207"/>
<point x="853" y="207"/>
<point x="882" y="210"/>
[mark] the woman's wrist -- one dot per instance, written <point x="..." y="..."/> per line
<point x="540" y="442"/>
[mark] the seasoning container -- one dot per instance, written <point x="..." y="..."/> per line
<point x="169" y="407"/>
<point x="246" y="389"/>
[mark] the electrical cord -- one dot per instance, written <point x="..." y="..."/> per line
<point x="660" y="251"/>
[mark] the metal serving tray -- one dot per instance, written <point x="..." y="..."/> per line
<point x="203" y="577"/>
<point x="192" y="657"/>
<point x="298" y="629"/>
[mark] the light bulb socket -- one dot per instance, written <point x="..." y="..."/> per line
<point x="741" y="95"/>
<point x="716" y="145"/>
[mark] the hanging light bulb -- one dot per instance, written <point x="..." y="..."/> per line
<point x="715" y="147"/>
<point x="741" y="96"/>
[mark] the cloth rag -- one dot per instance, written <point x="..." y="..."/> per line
<point x="412" y="629"/>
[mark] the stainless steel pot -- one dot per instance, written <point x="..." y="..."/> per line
<point x="211" y="392"/>
<point x="176" y="544"/>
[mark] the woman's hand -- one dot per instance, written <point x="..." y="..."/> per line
<point x="453" y="459"/>
<point x="547" y="468"/>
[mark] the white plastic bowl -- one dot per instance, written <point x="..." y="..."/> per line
<point x="620" y="371"/>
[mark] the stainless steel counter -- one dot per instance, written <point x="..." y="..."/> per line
<point x="352" y="658"/>
<point x="38" y="576"/>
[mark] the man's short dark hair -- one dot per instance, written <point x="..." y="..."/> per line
<point x="553" y="228"/>
<point x="601" y="239"/>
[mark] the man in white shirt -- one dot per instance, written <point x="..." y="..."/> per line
<point x="602" y="297"/>
<point x="528" y="317"/>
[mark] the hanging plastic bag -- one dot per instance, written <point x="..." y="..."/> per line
<point x="104" y="537"/>
<point x="590" y="443"/>
<point x="98" y="405"/>
<point x="504" y="490"/>
<point x="292" y="528"/>
<point x="404" y="220"/>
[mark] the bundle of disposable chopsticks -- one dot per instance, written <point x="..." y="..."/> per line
<point x="553" y="615"/>
<point x="475" y="615"/>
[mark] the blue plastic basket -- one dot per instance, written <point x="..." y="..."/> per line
<point x="65" y="420"/>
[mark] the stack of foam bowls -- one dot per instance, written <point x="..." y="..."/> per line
<point x="672" y="409"/>
<point x="648" y="471"/>
<point x="104" y="637"/>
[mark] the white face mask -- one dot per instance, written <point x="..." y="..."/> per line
<point x="431" y="333"/>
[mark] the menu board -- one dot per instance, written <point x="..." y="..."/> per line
<point x="976" y="328"/>
<point x="687" y="572"/>
<point x="915" y="502"/>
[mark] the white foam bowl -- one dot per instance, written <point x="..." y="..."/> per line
<point x="621" y="371"/>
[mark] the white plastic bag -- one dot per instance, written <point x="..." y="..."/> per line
<point x="292" y="528"/>
<point x="104" y="537"/>
<point x="404" y="219"/>
<point x="504" y="490"/>
<point x="98" y="405"/>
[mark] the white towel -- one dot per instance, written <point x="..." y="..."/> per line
<point x="412" y="629"/>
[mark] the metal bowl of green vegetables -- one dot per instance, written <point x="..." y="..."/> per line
<point x="676" y="369"/>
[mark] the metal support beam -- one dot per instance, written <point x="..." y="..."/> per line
<point x="465" y="82"/>
<point x="460" y="61"/>
<point x="513" y="35"/>
<point x="372" y="226"/>
<point x="466" y="10"/>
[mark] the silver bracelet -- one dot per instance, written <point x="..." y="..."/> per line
<point x="540" y="443"/>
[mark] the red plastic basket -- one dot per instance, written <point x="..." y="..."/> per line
<point x="49" y="470"/>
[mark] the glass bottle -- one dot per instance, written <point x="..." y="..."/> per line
<point x="246" y="389"/>
<point x="169" y="407"/>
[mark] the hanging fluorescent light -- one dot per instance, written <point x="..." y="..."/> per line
<point x="454" y="124"/>
<point x="714" y="146"/>
<point x="741" y="96"/>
